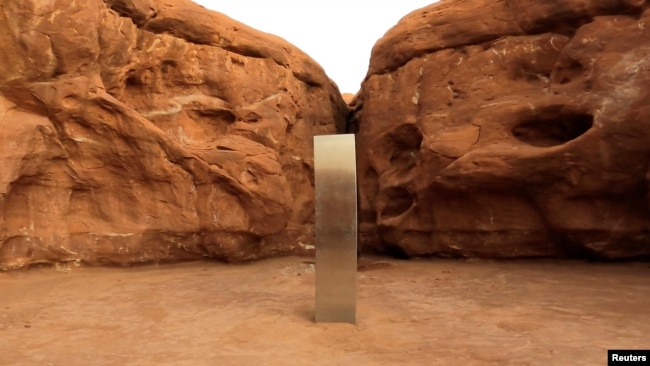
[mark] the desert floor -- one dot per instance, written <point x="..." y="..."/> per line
<point x="418" y="312"/>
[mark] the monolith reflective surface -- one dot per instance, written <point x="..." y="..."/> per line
<point x="336" y="228"/>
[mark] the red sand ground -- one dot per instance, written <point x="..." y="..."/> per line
<point x="422" y="312"/>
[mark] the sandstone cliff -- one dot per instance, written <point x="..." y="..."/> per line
<point x="509" y="128"/>
<point x="134" y="131"/>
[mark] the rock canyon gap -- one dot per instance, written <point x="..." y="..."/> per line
<point x="137" y="131"/>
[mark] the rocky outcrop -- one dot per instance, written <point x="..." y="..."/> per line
<point x="508" y="128"/>
<point x="134" y="131"/>
<point x="348" y="97"/>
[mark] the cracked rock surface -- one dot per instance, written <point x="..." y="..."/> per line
<point x="134" y="131"/>
<point x="508" y="128"/>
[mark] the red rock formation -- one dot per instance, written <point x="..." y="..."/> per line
<point x="509" y="128"/>
<point x="150" y="130"/>
<point x="348" y="97"/>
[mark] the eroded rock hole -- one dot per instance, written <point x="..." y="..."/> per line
<point x="564" y="75"/>
<point x="252" y="117"/>
<point x="405" y="141"/>
<point x="397" y="201"/>
<point x="213" y="114"/>
<point x="554" y="128"/>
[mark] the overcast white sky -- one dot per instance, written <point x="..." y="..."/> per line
<point x="338" y="34"/>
